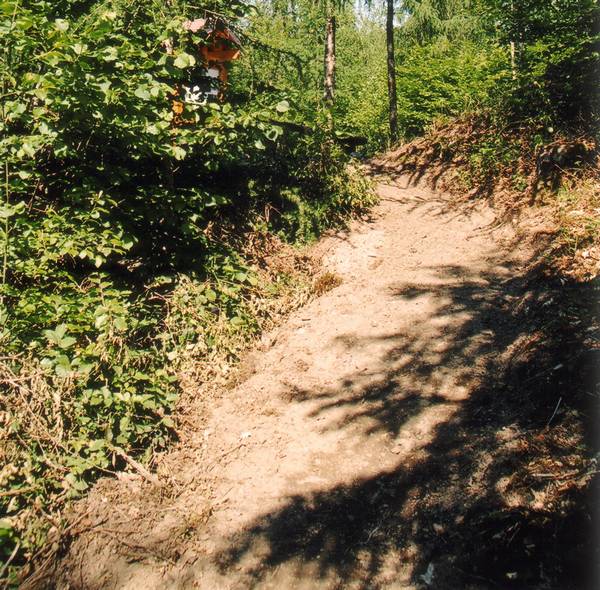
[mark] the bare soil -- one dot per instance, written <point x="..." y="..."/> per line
<point x="414" y="426"/>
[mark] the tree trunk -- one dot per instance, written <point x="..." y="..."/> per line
<point x="391" y="72"/>
<point x="329" y="91"/>
<point x="513" y="60"/>
<point x="513" y="46"/>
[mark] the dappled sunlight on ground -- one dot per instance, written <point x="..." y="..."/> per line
<point x="401" y="431"/>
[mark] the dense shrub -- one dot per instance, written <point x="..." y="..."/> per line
<point x="556" y="59"/>
<point x="109" y="207"/>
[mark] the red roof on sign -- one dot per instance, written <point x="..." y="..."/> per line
<point x="194" y="25"/>
<point x="211" y="26"/>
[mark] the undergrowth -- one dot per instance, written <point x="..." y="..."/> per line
<point x="123" y="239"/>
<point x="101" y="386"/>
<point x="576" y="249"/>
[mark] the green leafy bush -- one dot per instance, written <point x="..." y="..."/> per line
<point x="556" y="59"/>
<point x="445" y="80"/>
<point x="110" y="217"/>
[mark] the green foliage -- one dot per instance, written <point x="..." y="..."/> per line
<point x="310" y="186"/>
<point x="433" y="20"/>
<point x="445" y="80"/>
<point x="284" y="56"/>
<point x="557" y="58"/>
<point x="107" y="224"/>
<point x="453" y="56"/>
<point x="361" y="103"/>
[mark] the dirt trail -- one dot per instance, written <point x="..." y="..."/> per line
<point x="350" y="456"/>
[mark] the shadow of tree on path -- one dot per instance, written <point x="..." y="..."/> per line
<point x="500" y="493"/>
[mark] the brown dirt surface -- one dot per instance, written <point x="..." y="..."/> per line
<point x="418" y="425"/>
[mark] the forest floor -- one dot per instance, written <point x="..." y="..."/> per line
<point x="381" y="437"/>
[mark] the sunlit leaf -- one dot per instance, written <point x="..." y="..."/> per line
<point x="184" y="60"/>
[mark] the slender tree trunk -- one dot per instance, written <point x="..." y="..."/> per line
<point x="329" y="90"/>
<point x="513" y="47"/>
<point x="391" y="72"/>
<point x="513" y="60"/>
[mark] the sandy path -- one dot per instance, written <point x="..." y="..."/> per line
<point x="331" y="433"/>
